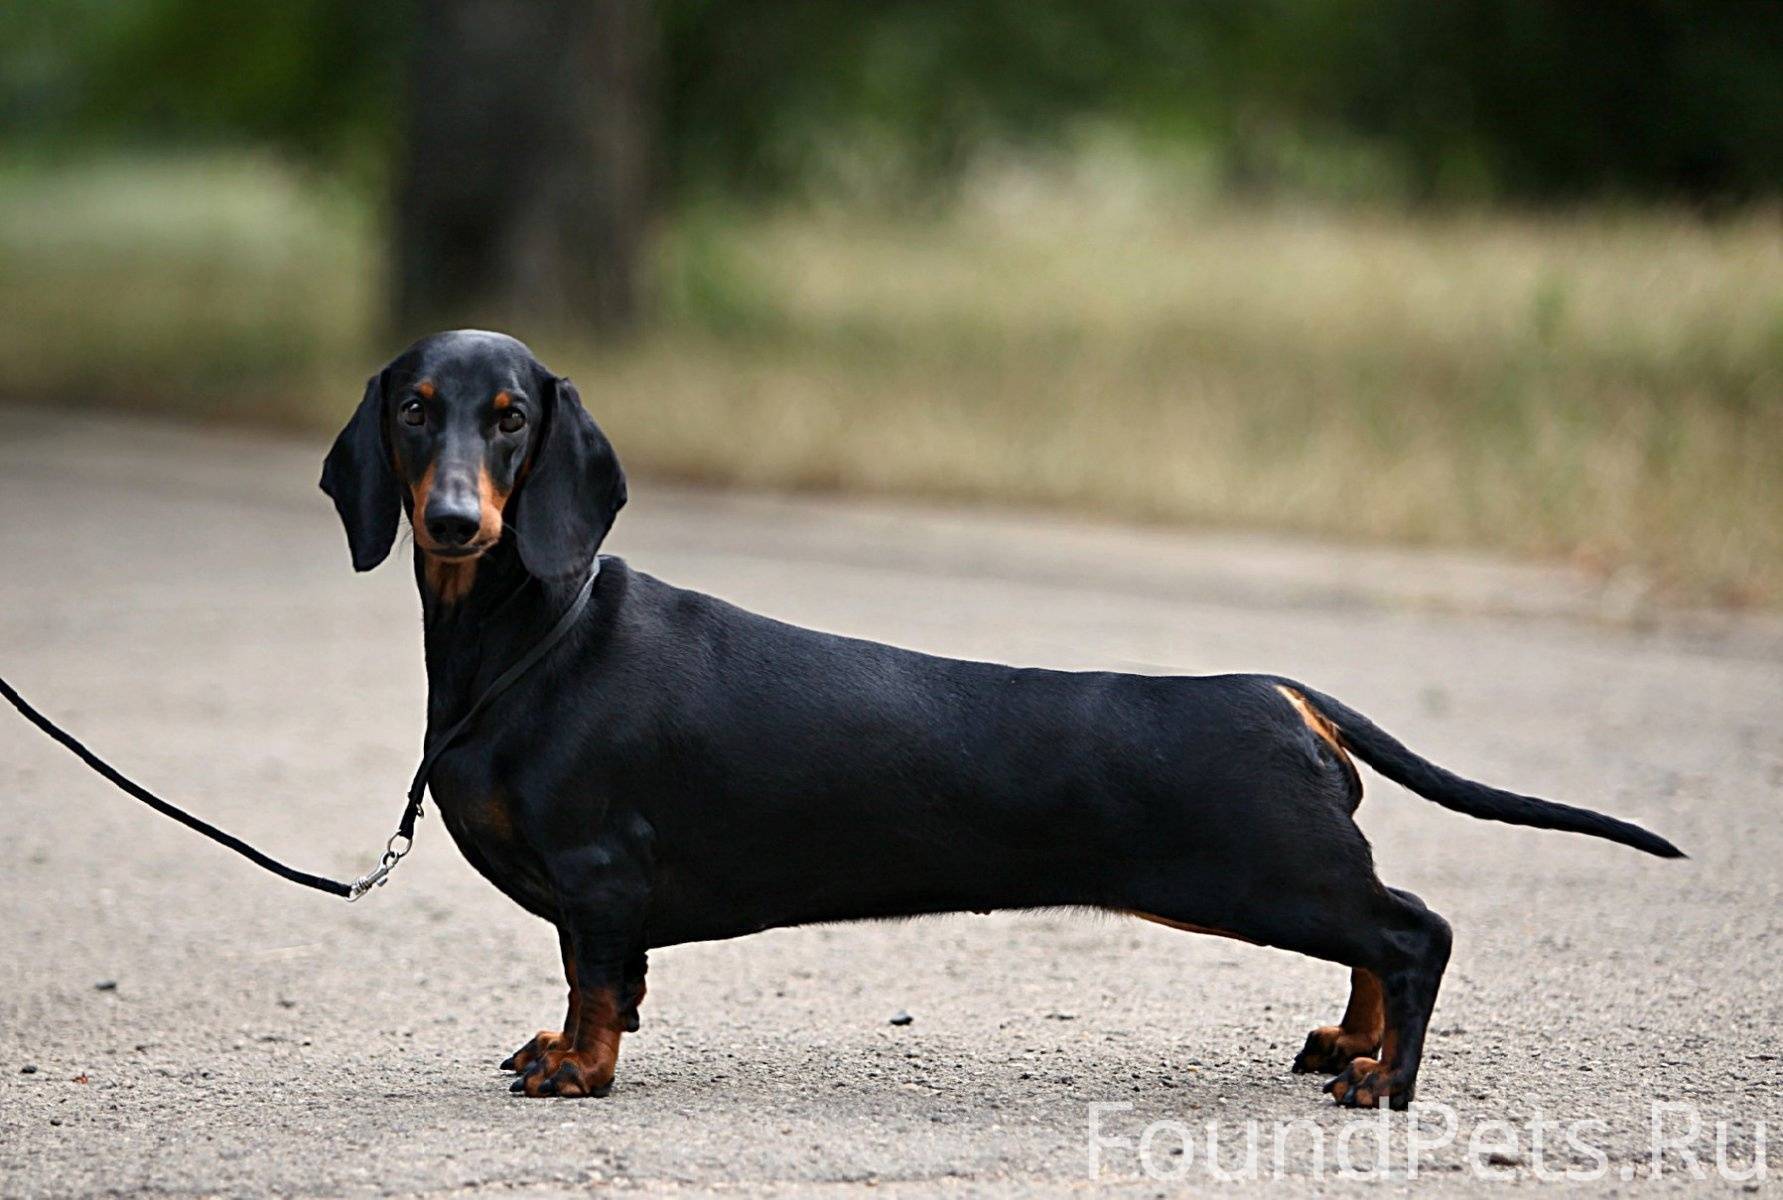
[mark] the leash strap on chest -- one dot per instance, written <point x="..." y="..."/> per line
<point x="436" y="746"/>
<point x="400" y="842"/>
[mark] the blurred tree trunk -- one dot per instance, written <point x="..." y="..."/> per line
<point x="524" y="181"/>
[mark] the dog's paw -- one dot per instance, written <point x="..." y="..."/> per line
<point x="546" y="1040"/>
<point x="1365" y="1083"/>
<point x="1329" y="1049"/>
<point x="569" y="1074"/>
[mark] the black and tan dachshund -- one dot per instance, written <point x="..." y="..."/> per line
<point x="677" y="769"/>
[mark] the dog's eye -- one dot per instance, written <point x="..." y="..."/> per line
<point x="412" y="412"/>
<point x="512" y="421"/>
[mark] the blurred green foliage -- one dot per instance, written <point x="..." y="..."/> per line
<point x="320" y="78"/>
<point x="1466" y="100"/>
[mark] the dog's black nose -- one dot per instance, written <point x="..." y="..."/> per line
<point x="451" y="527"/>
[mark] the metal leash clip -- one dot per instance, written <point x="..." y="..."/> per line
<point x="386" y="864"/>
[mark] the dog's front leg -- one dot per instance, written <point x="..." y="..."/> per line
<point x="552" y="1039"/>
<point x="602" y="891"/>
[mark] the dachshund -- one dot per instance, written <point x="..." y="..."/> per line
<point x="676" y="769"/>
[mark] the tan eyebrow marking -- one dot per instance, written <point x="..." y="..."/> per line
<point x="425" y="389"/>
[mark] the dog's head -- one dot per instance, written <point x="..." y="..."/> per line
<point x="470" y="435"/>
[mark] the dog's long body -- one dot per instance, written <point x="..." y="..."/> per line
<point x="788" y="776"/>
<point x="678" y="769"/>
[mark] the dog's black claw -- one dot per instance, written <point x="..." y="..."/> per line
<point x="519" y="1085"/>
<point x="1323" y="1054"/>
<point x="507" y="1064"/>
<point x="1317" y="1064"/>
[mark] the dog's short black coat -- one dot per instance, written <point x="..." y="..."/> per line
<point x="678" y="769"/>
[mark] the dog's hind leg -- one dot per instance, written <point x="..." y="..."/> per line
<point x="1335" y="910"/>
<point x="547" y="1040"/>
<point x="1412" y="949"/>
<point x="1329" y="1048"/>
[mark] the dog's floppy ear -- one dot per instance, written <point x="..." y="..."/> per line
<point x="357" y="477"/>
<point x="573" y="489"/>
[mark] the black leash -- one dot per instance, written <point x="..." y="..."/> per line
<point x="405" y="828"/>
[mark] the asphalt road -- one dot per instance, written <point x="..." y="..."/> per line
<point x="172" y="1020"/>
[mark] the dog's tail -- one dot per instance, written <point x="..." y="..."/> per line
<point x="1388" y="755"/>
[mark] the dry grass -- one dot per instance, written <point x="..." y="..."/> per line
<point x="1606" y="388"/>
<point x="211" y="285"/>
<point x="1609" y="389"/>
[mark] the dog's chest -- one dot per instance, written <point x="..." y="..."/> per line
<point x="479" y="814"/>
